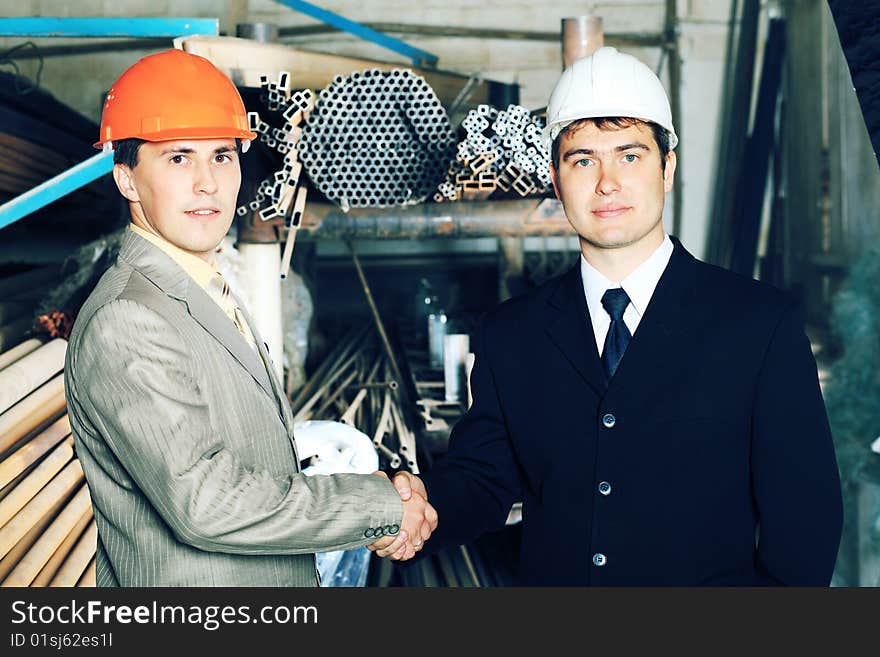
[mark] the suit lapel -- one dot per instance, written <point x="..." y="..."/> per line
<point x="657" y="354"/>
<point x="569" y="327"/>
<point x="206" y="312"/>
<point x="267" y="362"/>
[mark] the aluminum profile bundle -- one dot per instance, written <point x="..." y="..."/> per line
<point x="281" y="195"/>
<point x="501" y="151"/>
<point x="377" y="139"/>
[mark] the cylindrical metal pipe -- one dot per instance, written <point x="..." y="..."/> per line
<point x="35" y="558"/>
<point x="48" y="571"/>
<point x="89" y="578"/>
<point x="23" y="377"/>
<point x="59" y="488"/>
<point x="13" y="556"/>
<point x="260" y="266"/>
<point x="514" y="218"/>
<point x="455" y="350"/>
<point x="8" y="357"/>
<point x="34" y="450"/>
<point x="79" y="559"/>
<point x="581" y="36"/>
<point x="42" y="404"/>
<point x="25" y="490"/>
<point x="263" y="32"/>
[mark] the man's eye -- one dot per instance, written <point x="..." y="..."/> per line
<point x="178" y="159"/>
<point x="583" y="163"/>
<point x="630" y="157"/>
<point x="223" y="157"/>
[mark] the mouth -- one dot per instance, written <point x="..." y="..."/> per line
<point x="204" y="213"/>
<point x="609" y="211"/>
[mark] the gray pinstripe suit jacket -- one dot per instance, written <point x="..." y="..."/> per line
<point x="186" y="440"/>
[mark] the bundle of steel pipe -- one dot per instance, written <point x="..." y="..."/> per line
<point x="355" y="384"/>
<point x="501" y="152"/>
<point x="278" y="195"/>
<point x="377" y="138"/>
<point x="281" y="196"/>
<point x="47" y="535"/>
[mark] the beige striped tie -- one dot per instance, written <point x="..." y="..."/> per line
<point x="219" y="290"/>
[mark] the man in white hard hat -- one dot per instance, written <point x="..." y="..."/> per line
<point x="659" y="418"/>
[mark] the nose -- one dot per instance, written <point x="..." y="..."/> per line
<point x="607" y="182"/>
<point x="204" y="182"/>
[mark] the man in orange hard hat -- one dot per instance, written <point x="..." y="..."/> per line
<point x="182" y="428"/>
<point x="660" y="419"/>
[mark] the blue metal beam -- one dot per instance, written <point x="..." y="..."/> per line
<point x="54" y="188"/>
<point x="419" y="57"/>
<point x="107" y="27"/>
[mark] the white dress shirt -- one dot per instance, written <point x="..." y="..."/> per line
<point x="639" y="287"/>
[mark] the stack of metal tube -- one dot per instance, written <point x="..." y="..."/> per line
<point x="501" y="153"/>
<point x="377" y="138"/>
<point x="281" y="195"/>
<point x="355" y="385"/>
<point x="48" y="535"/>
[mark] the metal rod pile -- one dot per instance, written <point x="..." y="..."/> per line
<point x="355" y="384"/>
<point x="377" y="138"/>
<point x="500" y="152"/>
<point x="283" y="194"/>
<point x="47" y="530"/>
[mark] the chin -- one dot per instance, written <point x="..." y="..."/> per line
<point x="201" y="245"/>
<point x="610" y="240"/>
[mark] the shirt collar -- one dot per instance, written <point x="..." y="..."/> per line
<point x="639" y="285"/>
<point x="199" y="270"/>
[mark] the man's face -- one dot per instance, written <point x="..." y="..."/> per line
<point x="611" y="185"/>
<point x="184" y="191"/>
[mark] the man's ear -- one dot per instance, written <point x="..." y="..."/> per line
<point x="669" y="171"/>
<point x="555" y="180"/>
<point x="125" y="183"/>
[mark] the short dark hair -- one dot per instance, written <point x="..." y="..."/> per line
<point x="661" y="136"/>
<point x="125" y="151"/>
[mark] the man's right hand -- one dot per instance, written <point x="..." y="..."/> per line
<point x="406" y="483"/>
<point x="419" y="520"/>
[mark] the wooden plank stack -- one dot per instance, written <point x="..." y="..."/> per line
<point x="47" y="529"/>
<point x="41" y="137"/>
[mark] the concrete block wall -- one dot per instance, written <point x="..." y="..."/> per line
<point x="81" y="80"/>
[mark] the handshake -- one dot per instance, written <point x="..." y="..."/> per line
<point x="419" y="520"/>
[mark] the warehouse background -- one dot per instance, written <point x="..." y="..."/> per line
<point x="813" y="226"/>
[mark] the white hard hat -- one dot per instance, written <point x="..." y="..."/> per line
<point x="608" y="83"/>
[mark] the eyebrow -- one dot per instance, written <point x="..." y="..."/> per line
<point x="617" y="149"/>
<point x="189" y="151"/>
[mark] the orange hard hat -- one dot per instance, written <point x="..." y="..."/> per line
<point x="173" y="95"/>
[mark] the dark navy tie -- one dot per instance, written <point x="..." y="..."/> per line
<point x="615" y="302"/>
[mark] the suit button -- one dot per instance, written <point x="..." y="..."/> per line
<point x="392" y="529"/>
<point x="609" y="420"/>
<point x="605" y="488"/>
<point x="368" y="533"/>
<point x="599" y="559"/>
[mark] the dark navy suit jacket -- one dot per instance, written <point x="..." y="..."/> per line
<point x="712" y="436"/>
